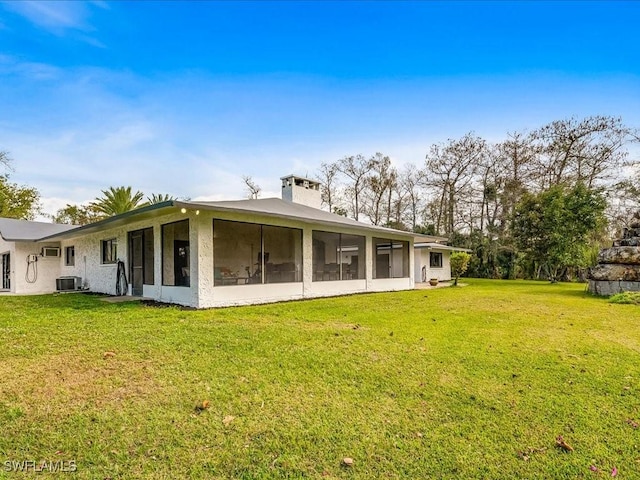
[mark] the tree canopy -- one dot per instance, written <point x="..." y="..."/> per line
<point x="117" y="200"/>
<point x="554" y="227"/>
<point x="16" y="201"/>
<point x="468" y="189"/>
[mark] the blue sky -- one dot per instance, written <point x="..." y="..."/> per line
<point x="186" y="97"/>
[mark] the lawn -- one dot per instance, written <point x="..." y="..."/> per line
<point x="472" y="382"/>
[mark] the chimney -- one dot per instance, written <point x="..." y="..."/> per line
<point x="301" y="190"/>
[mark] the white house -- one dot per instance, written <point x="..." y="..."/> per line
<point x="432" y="261"/>
<point x="211" y="254"/>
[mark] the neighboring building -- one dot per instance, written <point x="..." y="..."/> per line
<point x="211" y="254"/>
<point x="27" y="266"/>
<point x="432" y="260"/>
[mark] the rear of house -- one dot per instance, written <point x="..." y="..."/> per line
<point x="212" y="254"/>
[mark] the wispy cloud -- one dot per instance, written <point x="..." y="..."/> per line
<point x="30" y="70"/>
<point x="52" y="15"/>
<point x="60" y="17"/>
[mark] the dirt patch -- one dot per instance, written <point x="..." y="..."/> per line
<point x="45" y="385"/>
<point x="156" y="304"/>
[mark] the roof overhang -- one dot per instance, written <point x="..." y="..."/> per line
<point x="118" y="220"/>
<point x="362" y="226"/>
<point x="171" y="206"/>
<point x="439" y="246"/>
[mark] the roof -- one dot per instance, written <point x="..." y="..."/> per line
<point x="276" y="207"/>
<point x="270" y="207"/>
<point x="13" y="230"/>
<point x="440" y="246"/>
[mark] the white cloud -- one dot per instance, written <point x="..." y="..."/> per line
<point x="60" y="17"/>
<point x="54" y="16"/>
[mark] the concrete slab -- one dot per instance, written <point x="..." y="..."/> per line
<point x="122" y="299"/>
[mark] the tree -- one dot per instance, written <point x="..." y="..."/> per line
<point x="18" y="201"/>
<point x="328" y="178"/>
<point x="554" y="228"/>
<point x="411" y="180"/>
<point x="459" y="264"/>
<point x="5" y="160"/>
<point x="379" y="183"/>
<point x="76" y="215"/>
<point x="253" y="188"/>
<point x="159" y="198"/>
<point x="588" y="151"/>
<point x="451" y="168"/>
<point x="356" y="168"/>
<point x="117" y="200"/>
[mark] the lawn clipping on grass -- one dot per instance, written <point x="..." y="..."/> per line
<point x="493" y="380"/>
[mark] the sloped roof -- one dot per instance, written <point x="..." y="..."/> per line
<point x="13" y="230"/>
<point x="276" y="207"/>
<point x="440" y="246"/>
<point x="272" y="207"/>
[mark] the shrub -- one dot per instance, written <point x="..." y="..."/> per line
<point x="459" y="264"/>
<point x="626" y="297"/>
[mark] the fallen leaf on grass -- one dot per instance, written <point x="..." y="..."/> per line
<point x="228" y="419"/>
<point x="347" y="461"/>
<point x="560" y="442"/>
<point x="201" y="407"/>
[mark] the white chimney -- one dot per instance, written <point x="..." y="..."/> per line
<point x="301" y="190"/>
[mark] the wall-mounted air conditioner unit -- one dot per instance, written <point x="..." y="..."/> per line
<point x="65" y="284"/>
<point x="50" y="252"/>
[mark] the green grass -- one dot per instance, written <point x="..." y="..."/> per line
<point x="472" y="382"/>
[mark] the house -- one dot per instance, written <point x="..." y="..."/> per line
<point x="27" y="267"/>
<point x="432" y="260"/>
<point x="211" y="254"/>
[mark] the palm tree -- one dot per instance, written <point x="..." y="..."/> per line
<point x="159" y="198"/>
<point x="117" y="200"/>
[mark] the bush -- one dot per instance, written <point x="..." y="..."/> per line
<point x="626" y="297"/>
<point x="459" y="264"/>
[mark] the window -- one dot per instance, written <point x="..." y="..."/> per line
<point x="283" y="254"/>
<point x="238" y="257"/>
<point x="109" y="251"/>
<point x="337" y="256"/>
<point x="176" y="261"/>
<point x="70" y="256"/>
<point x="391" y="258"/>
<point x="435" y="260"/>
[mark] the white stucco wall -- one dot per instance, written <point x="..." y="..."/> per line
<point x="201" y="293"/>
<point x="101" y="278"/>
<point x="42" y="273"/>
<point x="421" y="259"/>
